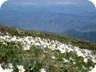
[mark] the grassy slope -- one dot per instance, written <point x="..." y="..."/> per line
<point x="34" y="59"/>
<point x="65" y="39"/>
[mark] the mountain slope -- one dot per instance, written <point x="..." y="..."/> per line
<point x="48" y="19"/>
<point x="90" y="36"/>
<point x="32" y="16"/>
<point x="51" y="22"/>
<point x="35" y="51"/>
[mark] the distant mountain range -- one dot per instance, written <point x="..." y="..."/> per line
<point x="75" y="22"/>
<point x="91" y="36"/>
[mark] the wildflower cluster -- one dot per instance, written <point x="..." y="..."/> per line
<point x="47" y="45"/>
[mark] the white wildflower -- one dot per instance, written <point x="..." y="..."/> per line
<point x="85" y="60"/>
<point x="20" y="68"/>
<point x="26" y="47"/>
<point x="53" y="57"/>
<point x="65" y="60"/>
<point x="94" y="69"/>
<point x="1" y="69"/>
<point x="8" y="70"/>
<point x="42" y="70"/>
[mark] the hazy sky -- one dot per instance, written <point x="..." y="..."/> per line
<point x="85" y="5"/>
<point x="49" y="2"/>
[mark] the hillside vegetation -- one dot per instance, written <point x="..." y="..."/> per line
<point x="28" y="51"/>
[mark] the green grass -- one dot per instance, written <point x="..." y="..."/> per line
<point x="35" y="59"/>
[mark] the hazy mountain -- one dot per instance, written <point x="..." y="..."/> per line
<point x="47" y="21"/>
<point x="91" y="36"/>
<point x="53" y="18"/>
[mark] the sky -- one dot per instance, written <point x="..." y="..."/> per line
<point x="49" y="2"/>
<point x="85" y="5"/>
